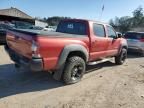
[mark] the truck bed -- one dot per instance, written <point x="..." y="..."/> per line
<point x="20" y="40"/>
<point x="47" y="33"/>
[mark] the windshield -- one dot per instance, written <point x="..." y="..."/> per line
<point x="72" y="27"/>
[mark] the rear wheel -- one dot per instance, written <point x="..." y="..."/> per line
<point x="74" y="70"/>
<point x="120" y="59"/>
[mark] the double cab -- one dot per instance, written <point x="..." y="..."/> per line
<point x="67" y="51"/>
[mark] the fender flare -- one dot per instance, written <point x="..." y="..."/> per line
<point x="63" y="57"/>
<point x="123" y="45"/>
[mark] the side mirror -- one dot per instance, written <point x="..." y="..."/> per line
<point x="119" y="35"/>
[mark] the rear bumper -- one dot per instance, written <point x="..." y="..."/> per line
<point x="34" y="64"/>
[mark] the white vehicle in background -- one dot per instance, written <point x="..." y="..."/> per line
<point x="135" y="41"/>
<point x="50" y="28"/>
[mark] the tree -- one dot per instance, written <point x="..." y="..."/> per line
<point x="127" y="23"/>
<point x="53" y="21"/>
<point x="138" y="17"/>
<point x="138" y="13"/>
<point x="115" y="23"/>
<point x="122" y="24"/>
<point x="111" y="22"/>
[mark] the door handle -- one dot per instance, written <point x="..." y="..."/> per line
<point x="94" y="42"/>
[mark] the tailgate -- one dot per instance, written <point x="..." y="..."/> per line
<point x="20" y="42"/>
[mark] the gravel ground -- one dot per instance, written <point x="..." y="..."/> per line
<point x="104" y="86"/>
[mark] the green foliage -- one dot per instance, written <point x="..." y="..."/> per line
<point x="126" y="23"/>
<point x="53" y="21"/>
<point x="138" y="13"/>
<point x="138" y="17"/>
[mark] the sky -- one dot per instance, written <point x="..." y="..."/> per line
<point x="85" y="9"/>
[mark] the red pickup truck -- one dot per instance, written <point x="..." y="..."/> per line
<point x="67" y="51"/>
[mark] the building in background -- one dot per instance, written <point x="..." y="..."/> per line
<point x="19" y="18"/>
<point x="41" y="23"/>
<point x="14" y="14"/>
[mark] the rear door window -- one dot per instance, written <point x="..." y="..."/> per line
<point x="99" y="30"/>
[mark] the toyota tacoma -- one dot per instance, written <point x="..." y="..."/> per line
<point x="67" y="51"/>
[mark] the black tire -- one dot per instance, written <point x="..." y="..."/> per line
<point x="74" y="70"/>
<point x="142" y="53"/>
<point x="120" y="59"/>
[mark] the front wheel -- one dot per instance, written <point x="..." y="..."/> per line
<point x="120" y="59"/>
<point x="74" y="70"/>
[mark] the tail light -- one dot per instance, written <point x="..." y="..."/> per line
<point x="35" y="50"/>
<point x="142" y="40"/>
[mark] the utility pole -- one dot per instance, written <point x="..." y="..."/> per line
<point x="101" y="13"/>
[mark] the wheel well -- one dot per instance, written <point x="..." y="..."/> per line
<point x="125" y="47"/>
<point x="77" y="53"/>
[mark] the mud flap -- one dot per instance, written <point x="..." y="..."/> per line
<point x="58" y="74"/>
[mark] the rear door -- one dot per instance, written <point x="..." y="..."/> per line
<point x="113" y="42"/>
<point x="99" y="42"/>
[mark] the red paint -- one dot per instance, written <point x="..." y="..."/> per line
<point x="142" y="40"/>
<point x="50" y="48"/>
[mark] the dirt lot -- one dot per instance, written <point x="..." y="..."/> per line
<point x="104" y="86"/>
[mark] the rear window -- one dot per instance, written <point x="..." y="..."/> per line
<point x="72" y="27"/>
<point x="134" y="35"/>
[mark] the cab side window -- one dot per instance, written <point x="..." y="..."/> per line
<point x="99" y="30"/>
<point x="111" y="32"/>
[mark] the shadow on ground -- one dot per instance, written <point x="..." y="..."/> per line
<point x="132" y="55"/>
<point x="12" y="82"/>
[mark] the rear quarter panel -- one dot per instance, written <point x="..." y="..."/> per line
<point x="51" y="48"/>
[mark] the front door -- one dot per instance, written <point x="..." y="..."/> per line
<point x="113" y="42"/>
<point x="99" y="42"/>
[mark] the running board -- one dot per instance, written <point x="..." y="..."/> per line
<point x="100" y="61"/>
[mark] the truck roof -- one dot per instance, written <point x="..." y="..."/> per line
<point x="99" y="22"/>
